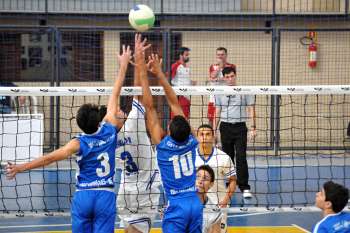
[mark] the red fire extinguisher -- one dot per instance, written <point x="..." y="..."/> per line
<point x="312" y="55"/>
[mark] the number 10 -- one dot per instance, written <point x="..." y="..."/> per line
<point x="185" y="161"/>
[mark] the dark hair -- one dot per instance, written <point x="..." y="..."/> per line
<point x="209" y="170"/>
<point x="222" y="49"/>
<point x="206" y="126"/>
<point x="179" y="128"/>
<point x="89" y="117"/>
<point x="228" y="70"/>
<point x="337" y="194"/>
<point x="182" y="50"/>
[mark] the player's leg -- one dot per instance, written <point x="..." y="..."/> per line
<point x="82" y="212"/>
<point x="132" y="229"/>
<point x="227" y="140"/>
<point x="138" y="224"/>
<point x="176" y="216"/>
<point x="105" y="212"/>
<point x="240" y="134"/>
<point x="196" y="223"/>
<point x="146" y="205"/>
<point x="223" y="224"/>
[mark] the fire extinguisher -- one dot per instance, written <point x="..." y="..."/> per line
<point x="312" y="55"/>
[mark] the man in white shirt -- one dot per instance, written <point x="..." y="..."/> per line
<point x="232" y="112"/>
<point x="180" y="76"/>
<point x="225" y="174"/>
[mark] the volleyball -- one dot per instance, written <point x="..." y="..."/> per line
<point x="141" y="18"/>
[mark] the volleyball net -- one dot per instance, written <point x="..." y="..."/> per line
<point x="302" y="141"/>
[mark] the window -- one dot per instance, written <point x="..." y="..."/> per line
<point x="82" y="56"/>
<point x="30" y="57"/>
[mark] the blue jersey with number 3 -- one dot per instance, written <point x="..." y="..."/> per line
<point x="96" y="158"/>
<point x="176" y="162"/>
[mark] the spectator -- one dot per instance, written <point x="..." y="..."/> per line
<point x="331" y="200"/>
<point x="180" y="76"/>
<point x="232" y="111"/>
<point x="215" y="76"/>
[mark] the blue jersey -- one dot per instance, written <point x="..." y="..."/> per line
<point x="96" y="158"/>
<point x="176" y="162"/>
<point x="334" y="223"/>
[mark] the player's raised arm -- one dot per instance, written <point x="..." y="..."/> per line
<point x="156" y="68"/>
<point x="141" y="47"/>
<point x="152" y="120"/>
<point x="113" y="114"/>
<point x="60" y="154"/>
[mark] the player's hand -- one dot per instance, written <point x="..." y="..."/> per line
<point x="11" y="170"/>
<point x="154" y="64"/>
<point x="140" y="46"/>
<point x="252" y="135"/>
<point x="125" y="57"/>
<point x="224" y="203"/>
<point x="121" y="115"/>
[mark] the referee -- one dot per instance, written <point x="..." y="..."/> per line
<point x="233" y="111"/>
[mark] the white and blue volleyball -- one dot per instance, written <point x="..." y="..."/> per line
<point x="141" y="18"/>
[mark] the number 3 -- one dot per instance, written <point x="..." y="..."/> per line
<point x="131" y="166"/>
<point x="106" y="168"/>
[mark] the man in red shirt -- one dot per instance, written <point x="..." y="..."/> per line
<point x="215" y="76"/>
<point x="180" y="76"/>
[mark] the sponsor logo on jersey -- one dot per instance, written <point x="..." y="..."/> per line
<point x="101" y="142"/>
<point x="97" y="183"/>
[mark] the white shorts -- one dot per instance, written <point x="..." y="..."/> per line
<point x="138" y="209"/>
<point x="210" y="217"/>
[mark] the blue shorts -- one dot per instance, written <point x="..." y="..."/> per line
<point x="183" y="215"/>
<point x="93" y="211"/>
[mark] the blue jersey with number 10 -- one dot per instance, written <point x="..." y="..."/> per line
<point x="96" y="158"/>
<point x="176" y="162"/>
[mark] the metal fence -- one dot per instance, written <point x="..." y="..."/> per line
<point x="58" y="55"/>
<point x="183" y="7"/>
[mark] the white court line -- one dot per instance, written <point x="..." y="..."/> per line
<point x="155" y="221"/>
<point x="48" y="225"/>
<point x="229" y="216"/>
<point x="300" y="228"/>
<point x="252" y="214"/>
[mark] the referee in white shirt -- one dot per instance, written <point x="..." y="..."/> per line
<point x="232" y="112"/>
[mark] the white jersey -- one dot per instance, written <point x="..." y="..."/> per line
<point x="135" y="155"/>
<point x="223" y="168"/>
<point x="211" y="215"/>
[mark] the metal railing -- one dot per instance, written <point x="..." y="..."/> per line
<point x="180" y="7"/>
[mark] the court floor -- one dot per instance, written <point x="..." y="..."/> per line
<point x="259" y="222"/>
<point x="274" y="183"/>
